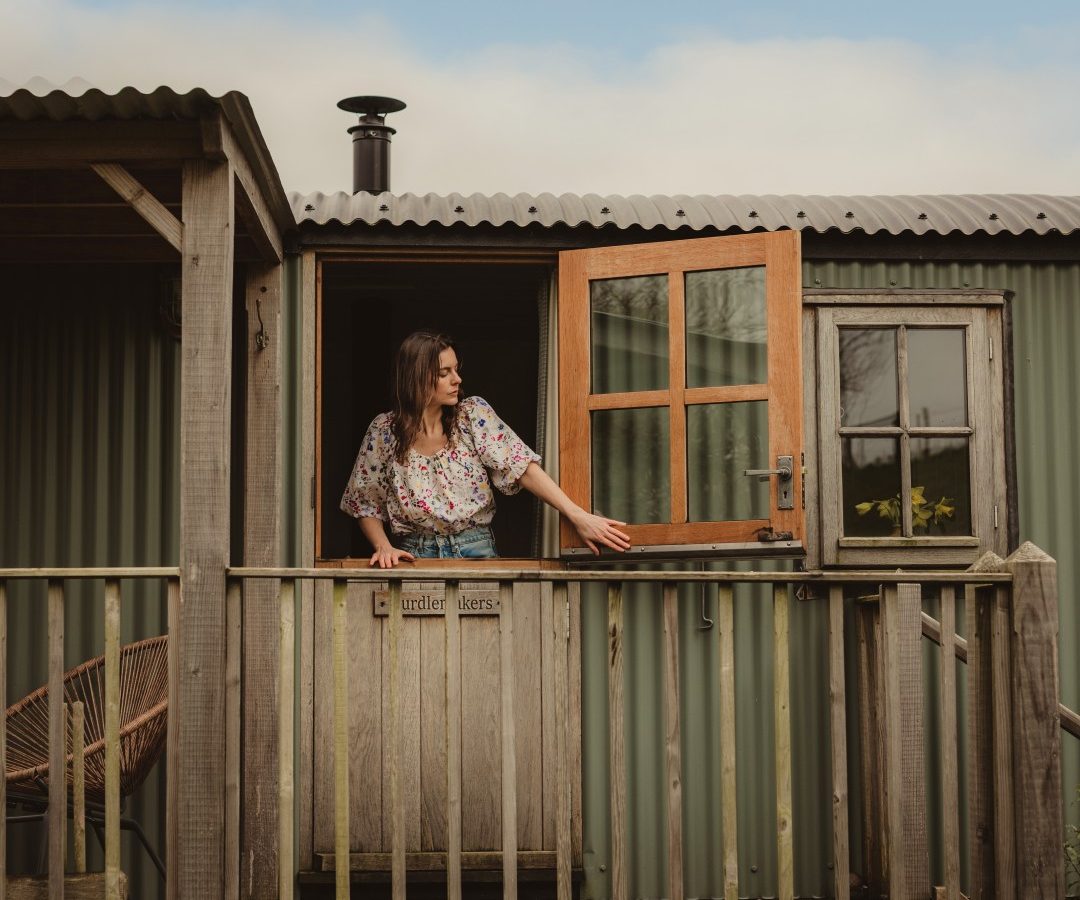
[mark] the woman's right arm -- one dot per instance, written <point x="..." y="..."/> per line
<point x="386" y="555"/>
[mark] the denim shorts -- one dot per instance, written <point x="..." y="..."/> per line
<point x="472" y="543"/>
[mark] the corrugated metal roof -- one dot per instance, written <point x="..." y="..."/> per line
<point x="61" y="105"/>
<point x="919" y="214"/>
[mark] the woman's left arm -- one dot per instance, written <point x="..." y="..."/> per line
<point x="592" y="528"/>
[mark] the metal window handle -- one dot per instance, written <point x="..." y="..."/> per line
<point x="785" y="467"/>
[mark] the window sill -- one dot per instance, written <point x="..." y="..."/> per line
<point x="921" y="543"/>
<point x="499" y="562"/>
<point x="747" y="550"/>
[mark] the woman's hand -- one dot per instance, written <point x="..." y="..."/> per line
<point x="596" y="529"/>
<point x="387" y="557"/>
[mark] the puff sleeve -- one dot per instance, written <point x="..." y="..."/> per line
<point x="365" y="494"/>
<point x="503" y="453"/>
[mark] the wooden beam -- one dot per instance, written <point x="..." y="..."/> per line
<point x="508" y="742"/>
<point x="673" y="741"/>
<point x="112" y="740"/>
<point x="838" y="733"/>
<point x="233" y="640"/>
<point x="207" y="278"/>
<point x="72" y="144"/>
<point x="785" y="854"/>
<point x="57" y="815"/>
<point x="620" y="875"/>
<point x="252" y="204"/>
<point x="143" y="202"/>
<point x="261" y="611"/>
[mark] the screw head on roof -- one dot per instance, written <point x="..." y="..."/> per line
<point x="753" y="214"/>
<point x="383" y="207"/>
<point x="849" y="215"/>
<point x="681" y="213"/>
<point x="309" y="208"/>
<point x="801" y="214"/>
<point x="604" y="211"/>
<point x="532" y="209"/>
<point x="459" y="209"/>
<point x="922" y="215"/>
<point x="1041" y="215"/>
<point x="993" y="215"/>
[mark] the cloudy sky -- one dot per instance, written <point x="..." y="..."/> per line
<point x="615" y="96"/>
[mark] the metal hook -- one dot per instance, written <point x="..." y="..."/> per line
<point x="262" y="338"/>
<point x="704" y="618"/>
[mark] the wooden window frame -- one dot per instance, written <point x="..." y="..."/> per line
<point x="980" y="315"/>
<point x="779" y="253"/>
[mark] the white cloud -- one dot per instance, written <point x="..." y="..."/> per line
<point x="701" y="116"/>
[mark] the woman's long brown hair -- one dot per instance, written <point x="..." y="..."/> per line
<point x="416" y="372"/>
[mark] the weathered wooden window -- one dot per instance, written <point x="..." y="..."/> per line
<point x="680" y="369"/>
<point x="911" y="432"/>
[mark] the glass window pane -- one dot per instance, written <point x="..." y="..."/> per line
<point x="868" y="392"/>
<point x="871" y="475"/>
<point x="629" y="334"/>
<point x="722" y="440"/>
<point x="937" y="386"/>
<point x="725" y="327"/>
<point x="630" y="464"/>
<point x="940" y="486"/>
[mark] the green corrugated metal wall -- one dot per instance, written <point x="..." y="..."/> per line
<point x="89" y="474"/>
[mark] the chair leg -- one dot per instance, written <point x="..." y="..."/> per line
<point x="132" y="825"/>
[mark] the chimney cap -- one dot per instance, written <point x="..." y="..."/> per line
<point x="370" y="105"/>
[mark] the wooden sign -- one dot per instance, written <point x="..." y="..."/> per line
<point x="414" y="602"/>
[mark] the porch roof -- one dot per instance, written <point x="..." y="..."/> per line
<point x="966" y="214"/>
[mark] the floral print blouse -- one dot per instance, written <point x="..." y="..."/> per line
<point x="443" y="493"/>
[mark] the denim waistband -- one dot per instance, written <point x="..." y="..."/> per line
<point x="447" y="541"/>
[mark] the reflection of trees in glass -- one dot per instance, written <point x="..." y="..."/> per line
<point x="643" y="298"/>
<point x="727" y="304"/>
<point x="868" y="379"/>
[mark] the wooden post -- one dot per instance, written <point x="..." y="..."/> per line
<point x="57" y="742"/>
<point x="397" y="748"/>
<point x="981" y="773"/>
<point x="112" y="740"/>
<point x="672" y="740"/>
<point x="509" y="748"/>
<point x="172" y="747"/>
<point x="871" y="743"/>
<point x="341" y="743"/>
<point x="950" y="789"/>
<point x="728" y="783"/>
<point x="785" y="858"/>
<point x="561" y="639"/>
<point x="1040" y="868"/>
<point x="262" y="622"/>
<point x="617" y="737"/>
<point x="206" y="367"/>
<point x="78" y="784"/>
<point x="1002" y="762"/>
<point x="909" y="867"/>
<point x="453" y="742"/>
<point x="286" y="661"/>
<point x="838" y="732"/>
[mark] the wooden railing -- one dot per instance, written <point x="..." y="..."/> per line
<point x="1014" y="771"/>
<point x="59" y="727"/>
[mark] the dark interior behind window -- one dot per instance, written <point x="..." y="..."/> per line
<point x="492" y="312"/>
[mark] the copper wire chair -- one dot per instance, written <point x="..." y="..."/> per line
<point x="144" y="706"/>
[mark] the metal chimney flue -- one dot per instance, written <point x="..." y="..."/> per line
<point x="371" y="141"/>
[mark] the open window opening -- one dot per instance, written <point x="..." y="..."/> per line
<point x="494" y="311"/>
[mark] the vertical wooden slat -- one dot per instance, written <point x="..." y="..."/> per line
<point x="677" y="388"/>
<point x="909" y="871"/>
<point x="905" y="445"/>
<point x="617" y="750"/>
<point x="838" y="730"/>
<point x="397" y="750"/>
<point x="509" y="762"/>
<point x="3" y="738"/>
<point x="980" y="745"/>
<point x="950" y="789"/>
<point x="871" y="715"/>
<point x="233" y="635"/>
<point x="561" y="643"/>
<point x="112" y="740"/>
<point x="172" y="746"/>
<point x="785" y="859"/>
<point x="1003" y="762"/>
<point x="57" y="817"/>
<point x="1040" y="862"/>
<point x="78" y="784"/>
<point x="341" y="745"/>
<point x="286" y="664"/>
<point x="672" y="740"/>
<point x="453" y="743"/>
<point x="728" y="784"/>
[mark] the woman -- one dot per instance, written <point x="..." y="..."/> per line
<point x="427" y="467"/>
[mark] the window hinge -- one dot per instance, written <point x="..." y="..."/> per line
<point x="312" y="491"/>
<point x="995" y="516"/>
<point x="990" y="341"/>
